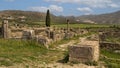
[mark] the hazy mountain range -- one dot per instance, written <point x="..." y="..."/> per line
<point x="30" y="16"/>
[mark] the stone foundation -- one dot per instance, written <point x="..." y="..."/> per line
<point x="45" y="35"/>
<point x="109" y="46"/>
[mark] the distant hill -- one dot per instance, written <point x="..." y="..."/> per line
<point x="31" y="16"/>
<point x="110" y="18"/>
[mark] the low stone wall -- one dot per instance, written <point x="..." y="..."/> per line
<point x="16" y="35"/>
<point x="109" y="46"/>
<point x="43" y="40"/>
<point x="45" y="34"/>
<point x="28" y="34"/>
<point x="104" y="35"/>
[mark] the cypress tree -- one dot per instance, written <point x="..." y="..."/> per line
<point x="48" y="19"/>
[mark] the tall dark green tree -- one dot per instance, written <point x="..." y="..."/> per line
<point x="48" y="18"/>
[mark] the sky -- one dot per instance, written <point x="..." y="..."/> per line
<point x="63" y="7"/>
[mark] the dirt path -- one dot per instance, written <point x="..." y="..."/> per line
<point x="64" y="47"/>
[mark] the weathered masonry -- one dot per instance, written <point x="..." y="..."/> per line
<point x="43" y="35"/>
<point x="86" y="51"/>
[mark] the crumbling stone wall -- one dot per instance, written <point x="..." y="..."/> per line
<point x="28" y="34"/>
<point x="104" y="35"/>
<point x="43" y="35"/>
<point x="16" y="35"/>
<point x="5" y="30"/>
<point x="109" y="46"/>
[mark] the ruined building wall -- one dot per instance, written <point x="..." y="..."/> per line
<point x="42" y="35"/>
<point x="109" y="46"/>
<point x="5" y="30"/>
<point x="105" y="35"/>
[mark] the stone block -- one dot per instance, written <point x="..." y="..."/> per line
<point x="43" y="40"/>
<point x="28" y="34"/>
<point x="84" y="52"/>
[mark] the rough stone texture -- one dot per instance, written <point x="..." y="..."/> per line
<point x="43" y="40"/>
<point x="28" y="34"/>
<point x="69" y="35"/>
<point x="84" y="52"/>
<point x="52" y="34"/>
<point x="110" y="46"/>
<point x="48" y="33"/>
<point x="93" y="37"/>
<point x="38" y="31"/>
<point x="16" y="35"/>
<point x="5" y="30"/>
<point x="104" y="35"/>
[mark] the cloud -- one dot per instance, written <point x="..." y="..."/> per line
<point x="87" y="13"/>
<point x="85" y="9"/>
<point x="90" y="3"/>
<point x="114" y="5"/>
<point x="41" y="9"/>
<point x="53" y="8"/>
<point x="9" y="0"/>
<point x="56" y="8"/>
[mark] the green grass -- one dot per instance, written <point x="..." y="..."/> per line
<point x="16" y="50"/>
<point x="20" y="51"/>
<point x="38" y="23"/>
<point x="82" y="25"/>
<point x="112" y="60"/>
<point x="113" y="39"/>
<point x="71" y="25"/>
<point x="52" y="45"/>
<point x="110" y="54"/>
<point x="76" y="38"/>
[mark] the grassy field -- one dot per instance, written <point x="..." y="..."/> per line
<point x="112" y="39"/>
<point x="19" y="51"/>
<point x="82" y="25"/>
<point x="111" y="59"/>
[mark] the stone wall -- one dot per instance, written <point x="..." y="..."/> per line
<point x="28" y="34"/>
<point x="109" y="46"/>
<point x="16" y="34"/>
<point x="104" y="35"/>
<point x="43" y="35"/>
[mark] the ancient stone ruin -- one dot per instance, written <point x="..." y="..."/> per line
<point x="107" y="34"/>
<point x="5" y="29"/>
<point x="87" y="51"/>
<point x="43" y="35"/>
<point x="109" y="45"/>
